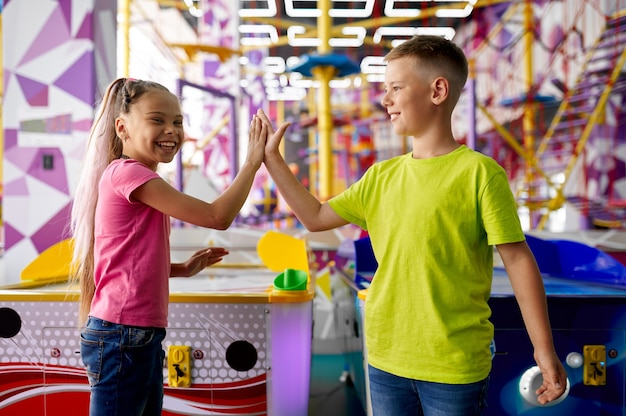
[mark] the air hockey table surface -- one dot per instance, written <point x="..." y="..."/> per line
<point x="557" y="286"/>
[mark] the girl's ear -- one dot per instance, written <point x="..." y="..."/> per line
<point x="120" y="128"/>
<point x="440" y="90"/>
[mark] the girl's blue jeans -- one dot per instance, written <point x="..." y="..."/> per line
<point x="125" y="368"/>
<point x="398" y="396"/>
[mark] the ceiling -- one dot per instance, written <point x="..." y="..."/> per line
<point x="360" y="32"/>
<point x="358" y="29"/>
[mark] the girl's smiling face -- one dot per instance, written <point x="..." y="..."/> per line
<point x="152" y="131"/>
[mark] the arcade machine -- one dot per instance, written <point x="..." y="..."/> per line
<point x="238" y="341"/>
<point x="586" y="290"/>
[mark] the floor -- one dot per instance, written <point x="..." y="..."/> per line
<point x="333" y="392"/>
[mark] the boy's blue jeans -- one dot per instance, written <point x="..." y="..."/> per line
<point x="124" y="367"/>
<point x="398" y="396"/>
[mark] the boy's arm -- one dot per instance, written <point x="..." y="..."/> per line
<point x="529" y="291"/>
<point x="313" y="214"/>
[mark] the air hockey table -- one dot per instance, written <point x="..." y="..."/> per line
<point x="238" y="342"/>
<point x="587" y="307"/>
<point x="589" y="330"/>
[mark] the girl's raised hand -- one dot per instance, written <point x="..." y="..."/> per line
<point x="273" y="137"/>
<point x="257" y="138"/>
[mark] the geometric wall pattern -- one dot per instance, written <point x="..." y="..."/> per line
<point x="58" y="56"/>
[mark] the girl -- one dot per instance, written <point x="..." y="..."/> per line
<point x="120" y="225"/>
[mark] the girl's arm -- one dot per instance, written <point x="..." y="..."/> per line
<point x="220" y="213"/>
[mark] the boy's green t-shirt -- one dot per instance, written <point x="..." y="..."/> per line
<point x="432" y="223"/>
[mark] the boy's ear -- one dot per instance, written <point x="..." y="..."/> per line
<point x="440" y="90"/>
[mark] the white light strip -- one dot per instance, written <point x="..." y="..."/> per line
<point x="455" y="12"/>
<point x="294" y="40"/>
<point x="273" y="64"/>
<point x="373" y="65"/>
<point x="257" y="29"/>
<point x="409" y="32"/>
<point x="292" y="61"/>
<point x="296" y="80"/>
<point x="446" y="32"/>
<point x="373" y="78"/>
<point x="355" y="42"/>
<point x="257" y="12"/>
<point x="358" y="36"/>
<point x="366" y="11"/>
<point x="340" y="83"/>
<point x="292" y="11"/>
<point x="286" y="94"/>
<point x="392" y="31"/>
<point x="393" y="12"/>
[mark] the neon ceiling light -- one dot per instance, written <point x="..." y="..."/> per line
<point x="392" y="31"/>
<point x="274" y="64"/>
<point x="256" y="11"/>
<point x="294" y="40"/>
<point x="373" y="65"/>
<point x="454" y="12"/>
<point x="269" y="30"/>
<point x="391" y="11"/>
<point x="407" y="32"/>
<point x="292" y="10"/>
<point x="365" y="11"/>
<point x="358" y="34"/>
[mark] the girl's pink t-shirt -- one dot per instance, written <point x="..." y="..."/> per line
<point x="131" y="251"/>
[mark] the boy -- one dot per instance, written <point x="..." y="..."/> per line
<point x="433" y="216"/>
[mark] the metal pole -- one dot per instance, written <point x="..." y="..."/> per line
<point x="124" y="7"/>
<point x="529" y="108"/>
<point x="324" y="74"/>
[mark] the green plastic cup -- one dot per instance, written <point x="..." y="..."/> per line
<point x="291" y="279"/>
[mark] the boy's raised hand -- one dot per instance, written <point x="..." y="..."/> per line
<point x="273" y="136"/>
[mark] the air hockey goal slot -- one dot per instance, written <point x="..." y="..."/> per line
<point x="530" y="381"/>
<point x="10" y="323"/>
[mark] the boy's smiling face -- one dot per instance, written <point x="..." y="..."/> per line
<point x="407" y="97"/>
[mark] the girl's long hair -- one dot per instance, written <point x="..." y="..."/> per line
<point x="103" y="146"/>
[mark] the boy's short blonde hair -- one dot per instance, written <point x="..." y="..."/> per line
<point x="439" y="55"/>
